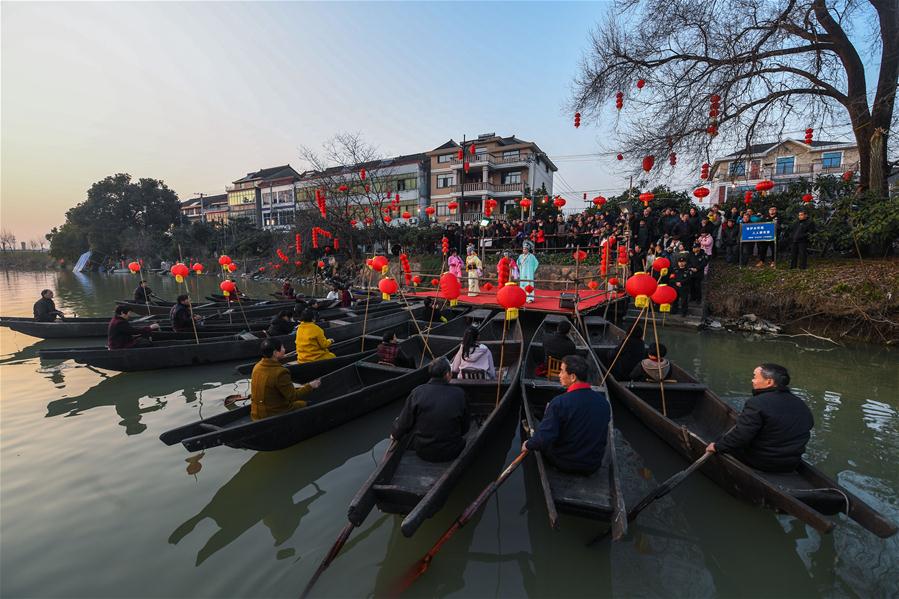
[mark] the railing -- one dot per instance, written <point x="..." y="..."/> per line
<point x="797" y="170"/>
<point x="481" y="158"/>
<point x="509" y="188"/>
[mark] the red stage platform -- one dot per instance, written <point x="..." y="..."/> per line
<point x="545" y="300"/>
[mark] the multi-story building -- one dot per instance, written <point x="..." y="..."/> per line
<point x="206" y="208"/>
<point x="265" y="197"/>
<point x="782" y="162"/>
<point x="406" y="176"/>
<point x="501" y="168"/>
<point x="192" y="210"/>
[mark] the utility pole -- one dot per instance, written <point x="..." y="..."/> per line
<point x="462" y="200"/>
<point x="202" y="207"/>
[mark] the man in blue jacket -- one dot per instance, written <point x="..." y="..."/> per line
<point x="572" y="434"/>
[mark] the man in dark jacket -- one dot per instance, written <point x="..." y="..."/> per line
<point x="143" y="294"/>
<point x="436" y="416"/>
<point x="45" y="308"/>
<point x="682" y="231"/>
<point x="280" y="324"/>
<point x="799" y="236"/>
<point x="680" y="279"/>
<point x="697" y="262"/>
<point x="559" y="344"/>
<point x="179" y="315"/>
<point x="774" y="427"/>
<point x="730" y="240"/>
<point x="121" y="334"/>
<point x="572" y="435"/>
<point x="630" y="352"/>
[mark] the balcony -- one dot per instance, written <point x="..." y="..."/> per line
<point x="484" y="159"/>
<point x="780" y="173"/>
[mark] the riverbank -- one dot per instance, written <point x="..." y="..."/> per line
<point x="27" y="260"/>
<point x="838" y="299"/>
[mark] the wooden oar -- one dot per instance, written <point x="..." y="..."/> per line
<point x="658" y="493"/>
<point x="421" y="566"/>
<point x="341" y="538"/>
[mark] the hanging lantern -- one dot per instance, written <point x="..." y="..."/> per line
<point x="298" y="263"/>
<point x="764" y="186"/>
<point x="134" y="267"/>
<point x="646" y="197"/>
<point x="559" y="202"/>
<point x="809" y="134"/>
<point x="712" y="130"/>
<point x="379" y="264"/>
<point x="452" y="206"/>
<point x="430" y="211"/>
<point x="847" y="176"/>
<point x="620" y="157"/>
<point x="511" y="297"/>
<point x="368" y="220"/>
<point x="592" y="285"/>
<point x="460" y="154"/>
<point x="387" y="219"/>
<point x="641" y="83"/>
<point x="321" y="263"/>
<point x="406" y="215"/>
<point x="661" y="265"/>
<point x="648" y="162"/>
<point x="416" y="280"/>
<point x="704" y="174"/>
<point x="435" y="282"/>
<point x="450" y="288"/>
<point x="672" y="158"/>
<point x="388" y="287"/>
<point x="353" y="222"/>
<point x="701" y="192"/>
<point x="466" y="166"/>
<point x="747" y="198"/>
<point x="343" y="187"/>
<point x="224" y="260"/>
<point x="613" y="281"/>
<point x="490" y="203"/>
<point x="362" y="174"/>
<point x="577" y="120"/>
<point x="640" y="287"/>
<point x="472" y="150"/>
<point x="599" y="201"/>
<point x="228" y="287"/>
<point x="525" y="203"/>
<point x="180" y="271"/>
<point x="232" y="267"/>
<point x="664" y="296"/>
<point x="619" y="100"/>
<point x="197" y="267"/>
<point x="808" y="198"/>
<point x="579" y="255"/>
<point x="444" y="245"/>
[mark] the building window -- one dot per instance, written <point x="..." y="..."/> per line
<point x="737" y="168"/>
<point x="445" y="181"/>
<point x="784" y="165"/>
<point x="511" y="178"/>
<point x="510" y="154"/>
<point x="407" y="184"/>
<point x="831" y="159"/>
<point x="445" y="158"/>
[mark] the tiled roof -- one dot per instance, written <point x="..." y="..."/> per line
<point x="369" y="165"/>
<point x="272" y="172"/>
<point x="757" y="149"/>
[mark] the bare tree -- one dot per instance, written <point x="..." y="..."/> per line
<point x="336" y="172"/>
<point x="7" y="240"/>
<point x="34" y="244"/>
<point x="775" y="65"/>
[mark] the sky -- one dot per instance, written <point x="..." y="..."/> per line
<point x="199" y="94"/>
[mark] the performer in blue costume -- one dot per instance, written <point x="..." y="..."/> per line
<point x="527" y="268"/>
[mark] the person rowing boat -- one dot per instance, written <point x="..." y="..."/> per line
<point x="143" y="294"/>
<point x="272" y="392"/>
<point x="45" y="308"/>
<point x="121" y="334"/>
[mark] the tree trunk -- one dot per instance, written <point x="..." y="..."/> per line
<point x="876" y="177"/>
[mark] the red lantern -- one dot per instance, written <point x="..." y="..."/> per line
<point x="368" y="220"/>
<point x="388" y="287"/>
<point x="640" y="287"/>
<point x="715" y="98"/>
<point x="472" y="150"/>
<point x="620" y="157"/>
<point x="490" y="203"/>
<point x="747" y="198"/>
<point x="672" y="158"/>
<point x="701" y="192"/>
<point x="763" y="186"/>
<point x="661" y="265"/>
<point x="525" y="203"/>
<point x="579" y="255"/>
<point x="387" y="219"/>
<point x="197" y="267"/>
<point x="809" y="134"/>
<point x="664" y="296"/>
<point x="406" y="215"/>
<point x="353" y="222"/>
<point x="619" y="100"/>
<point x="613" y="281"/>
<point x="461" y="154"/>
<point x="223" y="260"/>
<point x="379" y="264"/>
<point x="593" y="285"/>
<point x="452" y="206"/>
<point x="577" y="120"/>
<point x="232" y="267"/>
<point x="450" y="288"/>
<point x="511" y="297"/>
<point x="416" y="280"/>
<point x="486" y="286"/>
<point x="599" y="201"/>
<point x="298" y="263"/>
<point x="847" y="176"/>
<point x="180" y="271"/>
<point x="466" y="166"/>
<point x="646" y="197"/>
<point x="362" y="174"/>
<point x="559" y="202"/>
<point x="228" y="287"/>
<point x="712" y="130"/>
<point x="321" y="263"/>
<point x="705" y="171"/>
<point x="641" y="83"/>
<point x="808" y="198"/>
<point x="134" y="267"/>
<point x="343" y="187"/>
<point x="648" y="162"/>
<point x="430" y="211"/>
<point x="435" y="282"/>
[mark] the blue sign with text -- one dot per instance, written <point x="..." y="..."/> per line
<point x="757" y="231"/>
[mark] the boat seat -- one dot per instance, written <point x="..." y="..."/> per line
<point x="669" y="386"/>
<point x="209" y="428"/>
<point x="553" y="367"/>
<point x="472" y="374"/>
<point x="382" y="367"/>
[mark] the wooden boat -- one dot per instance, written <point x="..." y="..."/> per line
<point x="344" y="395"/>
<point x="597" y="496"/>
<point x="406" y="484"/>
<point x="353" y="350"/>
<point x="692" y="416"/>
<point x="161" y="309"/>
<point x="170" y="354"/>
<point x="62" y="329"/>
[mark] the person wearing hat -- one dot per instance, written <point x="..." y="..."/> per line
<point x="698" y="261"/>
<point x="473" y="269"/>
<point x="527" y="269"/>
<point x="680" y="279"/>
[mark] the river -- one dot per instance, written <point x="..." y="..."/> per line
<point x="94" y="505"/>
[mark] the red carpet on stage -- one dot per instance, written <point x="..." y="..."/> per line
<point x="545" y="300"/>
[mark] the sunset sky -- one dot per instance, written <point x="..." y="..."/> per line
<point x="200" y="94"/>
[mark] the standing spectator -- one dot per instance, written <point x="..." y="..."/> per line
<point x="706" y="242"/>
<point x="799" y="236"/>
<point x="766" y="247"/>
<point x="455" y="264"/>
<point x="680" y="280"/>
<point x="729" y="241"/>
<point x="698" y="262"/>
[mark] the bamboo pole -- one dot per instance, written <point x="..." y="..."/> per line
<point x="502" y="354"/>
<point x="661" y="384"/>
<point x="367" y="302"/>
<point x="621" y="348"/>
<point x="190" y="308"/>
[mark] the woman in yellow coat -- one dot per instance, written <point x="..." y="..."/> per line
<point x="311" y="342"/>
